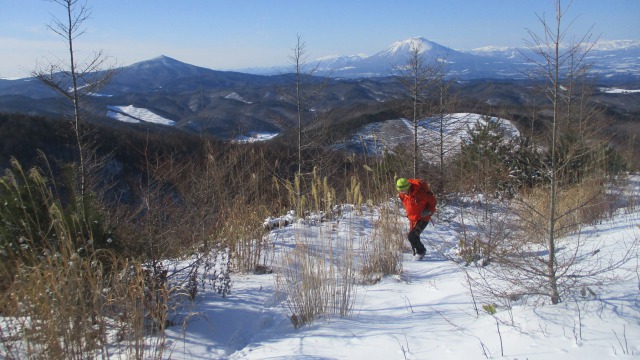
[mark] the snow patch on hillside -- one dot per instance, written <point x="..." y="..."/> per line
<point x="255" y="137"/>
<point x="376" y="138"/>
<point x="618" y="91"/>
<point x="70" y="90"/>
<point x="234" y="96"/>
<point x="132" y="114"/>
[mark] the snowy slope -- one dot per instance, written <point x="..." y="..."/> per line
<point x="378" y="137"/>
<point x="134" y="114"/>
<point x="425" y="313"/>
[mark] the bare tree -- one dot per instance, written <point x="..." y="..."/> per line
<point x="446" y="127"/>
<point x="75" y="79"/>
<point x="417" y="77"/>
<point x="302" y="90"/>
<point x="539" y="250"/>
<point x="539" y="258"/>
<point x="556" y="63"/>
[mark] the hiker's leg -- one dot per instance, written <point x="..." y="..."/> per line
<point x="414" y="238"/>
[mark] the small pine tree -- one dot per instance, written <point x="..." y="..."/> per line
<point x="483" y="155"/>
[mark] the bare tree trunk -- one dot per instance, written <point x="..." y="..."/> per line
<point x="301" y="89"/>
<point x="297" y="58"/>
<point x="551" y="244"/>
<point x="74" y="90"/>
<point x="75" y="81"/>
<point x="416" y="78"/>
<point x="416" y="153"/>
<point x="444" y="122"/>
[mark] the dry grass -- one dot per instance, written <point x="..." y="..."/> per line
<point x="316" y="283"/>
<point x="577" y="205"/>
<point x="318" y="275"/>
<point x="72" y="304"/>
<point x="92" y="313"/>
<point x="382" y="254"/>
<point x="243" y="235"/>
<point x="318" y="278"/>
<point x="63" y="297"/>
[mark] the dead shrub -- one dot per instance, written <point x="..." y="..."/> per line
<point x="242" y="233"/>
<point x="381" y="255"/>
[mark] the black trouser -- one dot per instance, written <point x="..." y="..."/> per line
<point x="414" y="237"/>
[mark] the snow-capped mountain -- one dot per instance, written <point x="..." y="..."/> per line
<point x="338" y="62"/>
<point x="416" y="43"/>
<point x="385" y="61"/>
<point x="615" y="58"/>
<point x="609" y="58"/>
<point x="600" y="48"/>
<point x="496" y="51"/>
<point x="399" y="52"/>
<point x="617" y="45"/>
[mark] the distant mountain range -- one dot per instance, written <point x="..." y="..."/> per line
<point x="166" y="93"/>
<point x="611" y="59"/>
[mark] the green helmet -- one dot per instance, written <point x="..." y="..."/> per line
<point x="402" y="184"/>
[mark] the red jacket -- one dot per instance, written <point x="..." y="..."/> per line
<point x="418" y="200"/>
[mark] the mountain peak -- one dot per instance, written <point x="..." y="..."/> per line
<point x="408" y="45"/>
<point x="163" y="58"/>
<point x="166" y="60"/>
<point x="165" y="63"/>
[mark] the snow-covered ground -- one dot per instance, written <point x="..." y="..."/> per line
<point x="607" y="90"/>
<point x="384" y="136"/>
<point x="255" y="137"/>
<point x="132" y="114"/>
<point x="426" y="312"/>
<point x="235" y="96"/>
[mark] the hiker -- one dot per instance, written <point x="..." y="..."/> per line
<point x="420" y="204"/>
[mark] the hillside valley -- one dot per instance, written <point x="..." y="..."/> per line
<point x="165" y="95"/>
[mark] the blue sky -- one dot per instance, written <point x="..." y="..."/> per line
<point x="233" y="34"/>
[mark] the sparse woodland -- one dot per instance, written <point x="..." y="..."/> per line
<point x="91" y="220"/>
